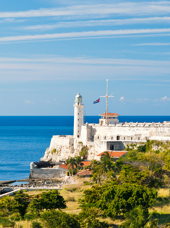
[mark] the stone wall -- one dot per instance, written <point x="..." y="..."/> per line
<point x="131" y="131"/>
<point x="101" y="138"/>
<point x="47" y="173"/>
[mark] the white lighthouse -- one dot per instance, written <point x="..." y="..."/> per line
<point x="78" y="115"/>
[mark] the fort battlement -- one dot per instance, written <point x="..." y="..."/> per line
<point x="107" y="135"/>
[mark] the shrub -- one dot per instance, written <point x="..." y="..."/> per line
<point x="70" y="198"/>
<point x="86" y="183"/>
<point x="16" y="217"/>
<point x="71" y="189"/>
<point x="53" y="151"/>
<point x="59" y="219"/>
<point x="7" y="223"/>
<point x="142" y="148"/>
<point x="36" y="225"/>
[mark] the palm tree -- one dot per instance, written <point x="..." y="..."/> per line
<point x="106" y="162"/>
<point x="79" y="162"/>
<point x="71" y="162"/>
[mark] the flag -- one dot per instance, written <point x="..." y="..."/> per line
<point x="97" y="101"/>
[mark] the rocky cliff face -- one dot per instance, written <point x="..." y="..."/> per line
<point x="62" y="153"/>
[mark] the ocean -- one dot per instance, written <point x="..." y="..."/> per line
<point x="24" y="139"/>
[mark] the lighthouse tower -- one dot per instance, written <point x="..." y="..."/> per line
<point x="78" y="116"/>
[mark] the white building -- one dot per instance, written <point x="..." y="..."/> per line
<point x="108" y="135"/>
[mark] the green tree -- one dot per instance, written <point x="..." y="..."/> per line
<point x="142" y="148"/>
<point x="79" y="163"/>
<point x="88" y="218"/>
<point x="59" y="219"/>
<point x="136" y="218"/>
<point x="6" y="222"/>
<point x="36" y="225"/>
<point x="19" y="203"/>
<point x="72" y="164"/>
<point x="106" y="162"/>
<point x="117" y="199"/>
<point x="91" y="196"/>
<point x="84" y="152"/>
<point x="47" y="200"/>
<point x="142" y="176"/>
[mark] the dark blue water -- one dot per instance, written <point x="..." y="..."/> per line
<point x="25" y="139"/>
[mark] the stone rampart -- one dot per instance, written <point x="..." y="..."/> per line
<point x="47" y="173"/>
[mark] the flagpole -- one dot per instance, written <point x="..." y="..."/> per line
<point x="106" y="98"/>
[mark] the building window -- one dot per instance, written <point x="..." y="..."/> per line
<point x="78" y="119"/>
<point x="98" y="137"/>
<point x="124" y="138"/>
<point x="118" y="137"/>
<point x="131" y="138"/>
<point x="78" y="113"/>
<point x="104" y="137"/>
<point x="138" y="138"/>
<point x="111" y="138"/>
<point x="111" y="147"/>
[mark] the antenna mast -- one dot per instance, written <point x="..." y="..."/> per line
<point x="107" y="98"/>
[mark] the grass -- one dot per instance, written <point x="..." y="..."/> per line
<point x="72" y="194"/>
<point x="74" y="191"/>
<point x="162" y="204"/>
<point x="161" y="208"/>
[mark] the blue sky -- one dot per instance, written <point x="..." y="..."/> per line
<point x="52" y="49"/>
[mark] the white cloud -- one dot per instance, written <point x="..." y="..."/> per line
<point x="29" y="102"/>
<point x="63" y="68"/>
<point x="152" y="44"/>
<point x="122" y="99"/>
<point x="11" y="20"/>
<point x="86" y="34"/>
<point x="125" y="8"/>
<point x="165" y="98"/>
<point x="142" y="100"/>
<point x="98" y="23"/>
<point x="14" y="62"/>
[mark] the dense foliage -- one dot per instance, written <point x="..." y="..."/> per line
<point x="59" y="219"/>
<point x="126" y="188"/>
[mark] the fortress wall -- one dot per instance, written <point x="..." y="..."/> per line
<point x="83" y="137"/>
<point x="138" y="133"/>
<point x="89" y="133"/>
<point x="58" y="140"/>
<point x="46" y="173"/>
<point x="86" y="133"/>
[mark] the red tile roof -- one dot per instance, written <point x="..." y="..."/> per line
<point x="84" y="173"/>
<point x="85" y="163"/>
<point x="64" y="166"/>
<point x="109" y="114"/>
<point x="115" y="154"/>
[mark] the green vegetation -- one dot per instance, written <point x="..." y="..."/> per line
<point x="84" y="152"/>
<point x="74" y="164"/>
<point x="59" y="219"/>
<point x="130" y="192"/>
<point x="53" y="151"/>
